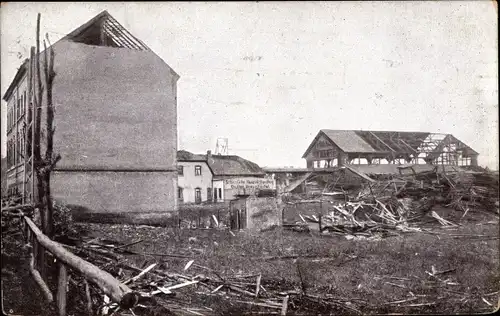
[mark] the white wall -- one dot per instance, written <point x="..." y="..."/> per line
<point x="189" y="181"/>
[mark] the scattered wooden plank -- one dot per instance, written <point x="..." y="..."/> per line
<point x="284" y="306"/>
<point x="257" y="288"/>
<point x="188" y="265"/>
<point x="143" y="272"/>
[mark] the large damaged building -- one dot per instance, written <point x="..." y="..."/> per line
<point x="332" y="148"/>
<point x="115" y="118"/>
<point x="349" y="157"/>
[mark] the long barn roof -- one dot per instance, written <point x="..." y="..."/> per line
<point x="379" y="142"/>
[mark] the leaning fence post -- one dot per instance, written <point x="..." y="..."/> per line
<point x="62" y="289"/>
<point x="282" y="216"/>
<point x="319" y="221"/>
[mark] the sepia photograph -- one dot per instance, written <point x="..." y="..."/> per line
<point x="249" y="158"/>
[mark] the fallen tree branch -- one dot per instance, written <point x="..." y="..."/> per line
<point x="39" y="280"/>
<point x="118" y="292"/>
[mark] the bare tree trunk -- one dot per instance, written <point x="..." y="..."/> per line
<point x="48" y="67"/>
<point x="37" y="159"/>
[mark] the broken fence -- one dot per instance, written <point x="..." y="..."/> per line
<point x="42" y="247"/>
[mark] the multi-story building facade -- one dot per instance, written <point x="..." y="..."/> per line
<point x="115" y="118"/>
<point x="16" y="98"/>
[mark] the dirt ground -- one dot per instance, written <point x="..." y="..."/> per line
<point x="390" y="275"/>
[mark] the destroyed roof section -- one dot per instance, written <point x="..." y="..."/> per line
<point x="367" y="142"/>
<point x="117" y="35"/>
<point x="104" y="30"/>
<point x="399" y="142"/>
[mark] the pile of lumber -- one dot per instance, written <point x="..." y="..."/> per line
<point x="400" y="203"/>
<point x="166" y="292"/>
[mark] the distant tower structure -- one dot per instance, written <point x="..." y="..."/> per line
<point x="221" y="146"/>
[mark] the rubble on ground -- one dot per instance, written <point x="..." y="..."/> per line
<point x="400" y="203"/>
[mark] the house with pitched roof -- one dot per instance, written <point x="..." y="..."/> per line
<point x="218" y="178"/>
<point x="331" y="148"/>
<point x="115" y="123"/>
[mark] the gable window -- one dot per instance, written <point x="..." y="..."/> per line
<point x="180" y="170"/>
<point x="197" y="170"/>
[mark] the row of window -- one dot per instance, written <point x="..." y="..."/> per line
<point x="16" y="111"/>
<point x="197" y="170"/>
<point x="217" y="195"/>
<point x="323" y="153"/>
<point x="15" y="149"/>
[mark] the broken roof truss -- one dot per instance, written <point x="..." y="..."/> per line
<point x="104" y="30"/>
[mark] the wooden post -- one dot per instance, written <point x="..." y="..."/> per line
<point x="319" y="221"/>
<point x="62" y="289"/>
<point x="238" y="219"/>
<point x="282" y="216"/>
<point x="89" y="298"/>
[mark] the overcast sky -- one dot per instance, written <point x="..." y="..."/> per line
<point x="269" y="75"/>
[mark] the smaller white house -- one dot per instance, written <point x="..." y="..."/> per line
<point x="194" y="179"/>
<point x="218" y="178"/>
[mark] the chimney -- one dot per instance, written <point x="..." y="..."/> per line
<point x="209" y="154"/>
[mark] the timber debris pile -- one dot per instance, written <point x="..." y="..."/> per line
<point x="403" y="203"/>
<point x="164" y="292"/>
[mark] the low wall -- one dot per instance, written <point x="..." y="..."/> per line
<point x="202" y="214"/>
<point x="262" y="213"/>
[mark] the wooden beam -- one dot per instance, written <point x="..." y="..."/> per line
<point x="17" y="207"/>
<point x="414" y="151"/>
<point x="117" y="291"/>
<point x="378" y="138"/>
<point x="62" y="289"/>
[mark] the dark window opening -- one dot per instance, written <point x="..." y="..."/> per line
<point x="197" y="195"/>
<point x="180" y="194"/>
<point x="209" y="194"/>
<point x="180" y="170"/>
